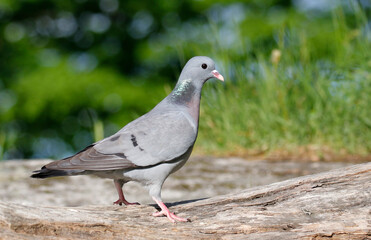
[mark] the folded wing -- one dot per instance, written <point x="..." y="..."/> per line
<point x="149" y="140"/>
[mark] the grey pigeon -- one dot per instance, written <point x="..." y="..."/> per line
<point x="150" y="148"/>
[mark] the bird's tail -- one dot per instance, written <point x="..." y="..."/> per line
<point x="46" y="173"/>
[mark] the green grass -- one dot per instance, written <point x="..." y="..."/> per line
<point x="317" y="94"/>
<point x="293" y="80"/>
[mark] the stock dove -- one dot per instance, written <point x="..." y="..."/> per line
<point x="150" y="148"/>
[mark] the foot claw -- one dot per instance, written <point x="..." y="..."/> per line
<point x="171" y="216"/>
<point x="120" y="202"/>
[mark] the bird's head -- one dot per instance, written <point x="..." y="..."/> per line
<point x="200" y="69"/>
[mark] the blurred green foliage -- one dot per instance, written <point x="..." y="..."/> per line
<point x="297" y="72"/>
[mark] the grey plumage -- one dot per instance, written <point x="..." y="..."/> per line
<point x="150" y="148"/>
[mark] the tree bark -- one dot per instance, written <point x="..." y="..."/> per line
<point x="329" y="205"/>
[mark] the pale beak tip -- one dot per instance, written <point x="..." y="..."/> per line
<point x="218" y="75"/>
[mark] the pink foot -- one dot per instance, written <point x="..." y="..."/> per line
<point x="171" y="216"/>
<point x="123" y="201"/>
<point x="166" y="212"/>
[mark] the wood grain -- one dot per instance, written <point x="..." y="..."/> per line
<point x="330" y="205"/>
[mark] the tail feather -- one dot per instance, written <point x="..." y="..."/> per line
<point x="46" y="173"/>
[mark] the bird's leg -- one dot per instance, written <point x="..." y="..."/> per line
<point x="166" y="212"/>
<point x="121" y="200"/>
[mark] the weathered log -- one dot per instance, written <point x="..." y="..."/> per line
<point x="334" y="204"/>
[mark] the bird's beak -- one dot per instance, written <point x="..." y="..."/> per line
<point x="218" y="75"/>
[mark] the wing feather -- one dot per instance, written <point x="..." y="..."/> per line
<point x="148" y="140"/>
<point x="91" y="159"/>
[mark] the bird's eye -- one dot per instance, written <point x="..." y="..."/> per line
<point x="204" y="65"/>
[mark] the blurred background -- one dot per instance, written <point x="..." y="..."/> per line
<point x="297" y="73"/>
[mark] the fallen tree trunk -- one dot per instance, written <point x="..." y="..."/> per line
<point x="334" y="204"/>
